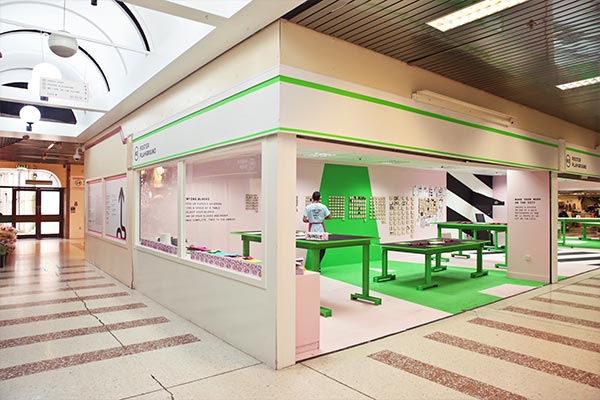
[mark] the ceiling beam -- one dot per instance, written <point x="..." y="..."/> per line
<point x="19" y="95"/>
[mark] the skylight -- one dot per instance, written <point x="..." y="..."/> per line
<point x="472" y="13"/>
<point x="223" y="8"/>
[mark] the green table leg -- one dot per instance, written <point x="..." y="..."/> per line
<point x="563" y="228"/>
<point x="438" y="263"/>
<point x="246" y="247"/>
<point x="584" y="226"/>
<point x="325" y="312"/>
<point x="428" y="283"/>
<point x="365" y="280"/>
<point x="315" y="263"/>
<point x="480" y="271"/>
<point x="504" y="265"/>
<point x="384" y="269"/>
<point x="460" y="253"/>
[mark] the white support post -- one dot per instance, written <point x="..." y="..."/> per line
<point x="279" y="210"/>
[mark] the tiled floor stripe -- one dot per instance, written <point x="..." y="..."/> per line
<point x="37" y="268"/>
<point x="586" y="284"/>
<point x="549" y="367"/>
<point x="60" y="301"/>
<point x="22" y="341"/>
<point x="566" y="303"/>
<point x="555" y="317"/>
<point x="86" y="278"/>
<point x="578" y="259"/>
<point x="452" y="380"/>
<point x="46" y="273"/>
<point x="595" y="278"/>
<point x="576" y="293"/>
<point x="534" y="333"/>
<point x="70" y="314"/>
<point x="93" y="356"/>
<point x="65" y="289"/>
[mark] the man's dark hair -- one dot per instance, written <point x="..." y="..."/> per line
<point x="316" y="196"/>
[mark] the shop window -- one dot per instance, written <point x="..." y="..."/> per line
<point x="158" y="208"/>
<point x="222" y="197"/>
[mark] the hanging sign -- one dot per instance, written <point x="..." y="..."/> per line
<point x="66" y="90"/>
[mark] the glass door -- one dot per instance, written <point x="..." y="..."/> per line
<point x="38" y="212"/>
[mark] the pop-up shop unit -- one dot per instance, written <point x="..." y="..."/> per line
<point x="196" y="190"/>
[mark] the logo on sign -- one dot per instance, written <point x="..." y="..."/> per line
<point x="136" y="153"/>
<point x="568" y="160"/>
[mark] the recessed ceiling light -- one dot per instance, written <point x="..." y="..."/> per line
<point x="472" y="13"/>
<point x="320" y="155"/>
<point x="576" y="84"/>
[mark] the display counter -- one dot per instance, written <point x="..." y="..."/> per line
<point x="585" y="223"/>
<point x="315" y="246"/>
<point x="494" y="228"/>
<point x="429" y="248"/>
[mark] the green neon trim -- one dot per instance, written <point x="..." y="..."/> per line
<point x="208" y="147"/>
<point x="587" y="153"/>
<point x="419" y="149"/>
<point x="206" y="109"/>
<point x="341" y="92"/>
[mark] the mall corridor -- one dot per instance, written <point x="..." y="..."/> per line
<point x="69" y="331"/>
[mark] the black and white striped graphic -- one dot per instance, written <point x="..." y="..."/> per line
<point x="469" y="194"/>
<point x="578" y="256"/>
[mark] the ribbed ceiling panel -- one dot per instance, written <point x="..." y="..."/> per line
<point x="520" y="54"/>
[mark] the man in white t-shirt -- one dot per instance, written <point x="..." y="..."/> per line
<point x="314" y="214"/>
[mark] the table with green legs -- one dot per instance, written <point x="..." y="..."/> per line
<point x="431" y="248"/>
<point x="314" y="247"/>
<point x="585" y="222"/>
<point x="496" y="228"/>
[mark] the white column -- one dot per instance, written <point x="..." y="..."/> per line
<point x="530" y="225"/>
<point x="554" y="227"/>
<point x="279" y="210"/>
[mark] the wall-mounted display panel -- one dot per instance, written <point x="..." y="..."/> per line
<point x="158" y="208"/>
<point x="115" y="205"/>
<point x="95" y="207"/>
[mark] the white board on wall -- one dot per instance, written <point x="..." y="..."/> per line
<point x="115" y="205"/>
<point x="95" y="207"/>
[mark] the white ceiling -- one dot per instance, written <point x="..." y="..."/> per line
<point x="122" y="74"/>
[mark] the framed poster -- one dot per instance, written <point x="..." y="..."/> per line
<point x="95" y="207"/>
<point x="115" y="206"/>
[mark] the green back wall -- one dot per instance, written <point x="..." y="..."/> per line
<point x="345" y="180"/>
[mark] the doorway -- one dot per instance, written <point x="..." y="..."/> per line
<point x="35" y="212"/>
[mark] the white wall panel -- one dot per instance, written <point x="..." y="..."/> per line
<point x="240" y="314"/>
<point x="248" y="115"/>
<point x="363" y="118"/>
<point x="530" y="225"/>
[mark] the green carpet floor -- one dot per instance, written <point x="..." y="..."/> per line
<point x="456" y="292"/>
<point x="586" y="244"/>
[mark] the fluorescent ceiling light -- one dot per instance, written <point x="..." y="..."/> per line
<point x="576" y="84"/>
<point x="436" y="99"/>
<point x="472" y="13"/>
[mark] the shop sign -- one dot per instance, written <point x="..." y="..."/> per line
<point x="582" y="162"/>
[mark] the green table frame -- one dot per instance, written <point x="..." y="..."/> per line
<point x="585" y="222"/>
<point x="314" y="247"/>
<point x="476" y="227"/>
<point x="430" y="251"/>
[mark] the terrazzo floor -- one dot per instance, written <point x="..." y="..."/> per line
<point x="69" y="331"/>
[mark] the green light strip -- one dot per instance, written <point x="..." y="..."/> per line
<point x="587" y="153"/>
<point x="419" y="149"/>
<point x="213" y="106"/>
<point x="208" y="147"/>
<point x="391" y="104"/>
